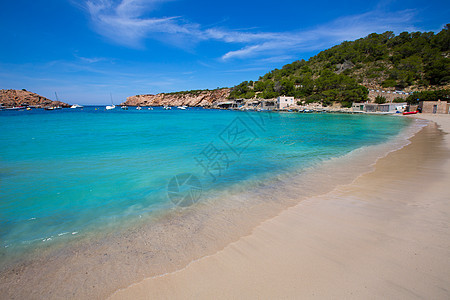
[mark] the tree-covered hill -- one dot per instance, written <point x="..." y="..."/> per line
<point x="343" y="73"/>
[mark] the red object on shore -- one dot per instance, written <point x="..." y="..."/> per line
<point x="410" y="112"/>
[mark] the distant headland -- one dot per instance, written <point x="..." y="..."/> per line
<point x="200" y="98"/>
<point x="20" y="98"/>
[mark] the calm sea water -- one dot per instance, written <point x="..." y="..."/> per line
<point x="67" y="172"/>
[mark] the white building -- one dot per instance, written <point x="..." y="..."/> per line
<point x="284" y="102"/>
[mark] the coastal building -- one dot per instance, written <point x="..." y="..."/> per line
<point x="371" y="107"/>
<point x="434" y="107"/>
<point x="381" y="108"/>
<point x="358" y="107"/>
<point x="268" y="104"/>
<point x="253" y="104"/>
<point x="225" y="104"/>
<point x="392" y="107"/>
<point x="284" y="102"/>
<point x="239" y="102"/>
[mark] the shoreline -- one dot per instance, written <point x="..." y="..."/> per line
<point x="309" y="249"/>
<point x="98" y="267"/>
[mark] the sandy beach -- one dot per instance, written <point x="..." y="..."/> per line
<point x="385" y="235"/>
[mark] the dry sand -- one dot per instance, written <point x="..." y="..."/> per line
<point x="386" y="235"/>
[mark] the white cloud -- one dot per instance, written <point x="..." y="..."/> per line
<point x="346" y="28"/>
<point x="125" y="23"/>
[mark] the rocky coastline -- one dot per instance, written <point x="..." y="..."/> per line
<point x="18" y="98"/>
<point x="204" y="98"/>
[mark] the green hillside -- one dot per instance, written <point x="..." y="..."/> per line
<point x="412" y="61"/>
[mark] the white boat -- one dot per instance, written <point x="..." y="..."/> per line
<point x="124" y="107"/>
<point x="138" y="108"/>
<point x="150" y="108"/>
<point x="167" y="107"/>
<point x="181" y="107"/>
<point x="112" y="106"/>
<point x="76" y="106"/>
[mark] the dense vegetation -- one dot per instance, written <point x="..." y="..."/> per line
<point x="339" y="73"/>
<point x="443" y="94"/>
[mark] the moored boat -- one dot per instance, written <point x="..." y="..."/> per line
<point x="112" y="106"/>
<point x="410" y="112"/>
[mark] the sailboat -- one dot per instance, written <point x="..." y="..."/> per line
<point x="57" y="99"/>
<point x="112" y="106"/>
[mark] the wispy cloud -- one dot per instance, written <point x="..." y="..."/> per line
<point x="89" y="60"/>
<point x="123" y="22"/>
<point x="127" y="22"/>
<point x="346" y="28"/>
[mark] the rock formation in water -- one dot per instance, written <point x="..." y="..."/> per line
<point x="14" y="98"/>
<point x="203" y="98"/>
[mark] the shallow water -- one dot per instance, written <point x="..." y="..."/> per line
<point x="71" y="173"/>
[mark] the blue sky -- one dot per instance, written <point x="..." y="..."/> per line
<point x="86" y="49"/>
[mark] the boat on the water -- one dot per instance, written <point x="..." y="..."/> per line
<point x="150" y="108"/>
<point x="112" y="106"/>
<point x="138" y="108"/>
<point x="182" y="107"/>
<point x="410" y="112"/>
<point x="76" y="106"/>
<point x="167" y="107"/>
<point x="124" y="107"/>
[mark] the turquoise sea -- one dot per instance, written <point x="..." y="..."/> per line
<point x="69" y="172"/>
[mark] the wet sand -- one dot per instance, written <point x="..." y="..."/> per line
<point x="385" y="235"/>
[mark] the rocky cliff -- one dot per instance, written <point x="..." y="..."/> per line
<point x="11" y="98"/>
<point x="202" y="98"/>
